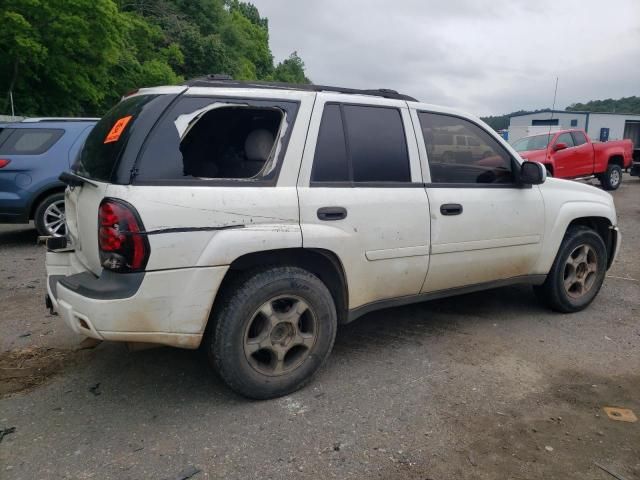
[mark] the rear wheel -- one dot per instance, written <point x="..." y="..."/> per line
<point x="49" y="216"/>
<point x="577" y="272"/>
<point x="272" y="332"/>
<point x="612" y="178"/>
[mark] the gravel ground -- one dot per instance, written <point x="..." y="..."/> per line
<point x="483" y="386"/>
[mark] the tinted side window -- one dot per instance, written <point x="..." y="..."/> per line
<point x="488" y="163"/>
<point x="377" y="144"/>
<point x="578" y="138"/>
<point x="566" y="139"/>
<point x="30" y="141"/>
<point x="330" y="163"/>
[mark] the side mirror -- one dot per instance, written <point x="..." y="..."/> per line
<point x="532" y="173"/>
<point x="559" y="146"/>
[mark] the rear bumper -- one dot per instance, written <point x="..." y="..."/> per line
<point x="169" y="307"/>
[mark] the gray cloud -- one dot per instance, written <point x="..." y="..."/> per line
<point x="484" y="57"/>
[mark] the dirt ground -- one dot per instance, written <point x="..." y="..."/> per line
<point x="484" y="386"/>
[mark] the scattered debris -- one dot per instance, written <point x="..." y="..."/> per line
<point x="28" y="367"/>
<point x="95" y="389"/>
<point x="187" y="473"/>
<point x="24" y="335"/>
<point x="6" y="431"/>
<point x="605" y="469"/>
<point x="621" y="414"/>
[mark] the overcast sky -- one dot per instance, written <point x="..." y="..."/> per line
<point x="485" y="57"/>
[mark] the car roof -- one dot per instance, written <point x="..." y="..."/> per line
<point x="66" y="123"/>
<point x="223" y="81"/>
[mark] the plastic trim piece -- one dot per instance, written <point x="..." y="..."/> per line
<point x="108" y="286"/>
<point x="357" y="312"/>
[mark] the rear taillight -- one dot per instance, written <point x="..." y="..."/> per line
<point x="4" y="162"/>
<point x="123" y="244"/>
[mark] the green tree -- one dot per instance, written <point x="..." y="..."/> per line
<point x="77" y="57"/>
<point x="290" y="70"/>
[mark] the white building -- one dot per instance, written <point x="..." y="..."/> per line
<point x="599" y="126"/>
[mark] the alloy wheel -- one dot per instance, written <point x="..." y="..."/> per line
<point x="280" y="335"/>
<point x="54" y="219"/>
<point x="580" y="271"/>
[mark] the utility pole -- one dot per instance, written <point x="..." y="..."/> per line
<point x="13" y="112"/>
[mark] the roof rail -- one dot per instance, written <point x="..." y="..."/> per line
<point x="59" y="119"/>
<point x="225" y="81"/>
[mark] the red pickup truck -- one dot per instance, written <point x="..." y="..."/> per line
<point x="572" y="154"/>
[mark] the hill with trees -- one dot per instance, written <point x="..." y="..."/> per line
<point x="78" y="58"/>
<point x="621" y="105"/>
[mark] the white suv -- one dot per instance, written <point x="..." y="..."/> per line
<point x="252" y="219"/>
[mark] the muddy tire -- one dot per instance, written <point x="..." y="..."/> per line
<point x="272" y="331"/>
<point x="49" y="216"/>
<point x="612" y="178"/>
<point x="577" y="272"/>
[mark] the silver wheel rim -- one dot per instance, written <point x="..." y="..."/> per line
<point x="280" y="335"/>
<point x="580" y="271"/>
<point x="615" y="178"/>
<point x="54" y="219"/>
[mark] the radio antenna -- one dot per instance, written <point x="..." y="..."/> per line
<point x="553" y="108"/>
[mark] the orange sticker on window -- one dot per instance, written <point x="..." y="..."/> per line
<point x="117" y="129"/>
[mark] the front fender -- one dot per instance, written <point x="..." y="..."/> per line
<point x="585" y="202"/>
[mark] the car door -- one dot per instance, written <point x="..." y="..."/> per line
<point x="485" y="227"/>
<point x="566" y="161"/>
<point x="583" y="154"/>
<point x="362" y="198"/>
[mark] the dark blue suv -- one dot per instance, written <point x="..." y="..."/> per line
<point x="33" y="153"/>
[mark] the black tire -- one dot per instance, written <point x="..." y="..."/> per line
<point x="612" y="178"/>
<point x="239" y="310"/>
<point x="43" y="209"/>
<point x="553" y="291"/>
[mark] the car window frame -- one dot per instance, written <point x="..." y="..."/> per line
<point x="557" y="141"/>
<point x="515" y="164"/>
<point x="290" y="108"/>
<point x="350" y="183"/>
<point x="584" y="137"/>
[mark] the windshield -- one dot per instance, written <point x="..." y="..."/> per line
<point x="537" y="142"/>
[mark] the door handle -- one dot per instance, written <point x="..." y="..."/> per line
<point x="451" y="209"/>
<point x="332" y="213"/>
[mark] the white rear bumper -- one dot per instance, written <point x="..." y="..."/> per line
<point x="169" y="307"/>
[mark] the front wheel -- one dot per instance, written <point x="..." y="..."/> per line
<point x="577" y="272"/>
<point x="612" y="178"/>
<point x="272" y="332"/>
<point x="49" y="216"/>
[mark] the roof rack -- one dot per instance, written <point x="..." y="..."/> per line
<point x="218" y="80"/>
<point x="59" y="119"/>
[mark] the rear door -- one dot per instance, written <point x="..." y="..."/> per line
<point x="484" y="226"/>
<point x="361" y="195"/>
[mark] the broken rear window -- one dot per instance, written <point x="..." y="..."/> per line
<point x="204" y="139"/>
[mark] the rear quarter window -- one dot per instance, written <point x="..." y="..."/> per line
<point x="28" y="141"/>
<point x="107" y="141"/>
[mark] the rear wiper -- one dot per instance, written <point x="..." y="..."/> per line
<point x="74" y="180"/>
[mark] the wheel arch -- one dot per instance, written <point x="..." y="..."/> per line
<point x="42" y="194"/>
<point x="602" y="226"/>
<point x="616" y="160"/>
<point x="325" y="264"/>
